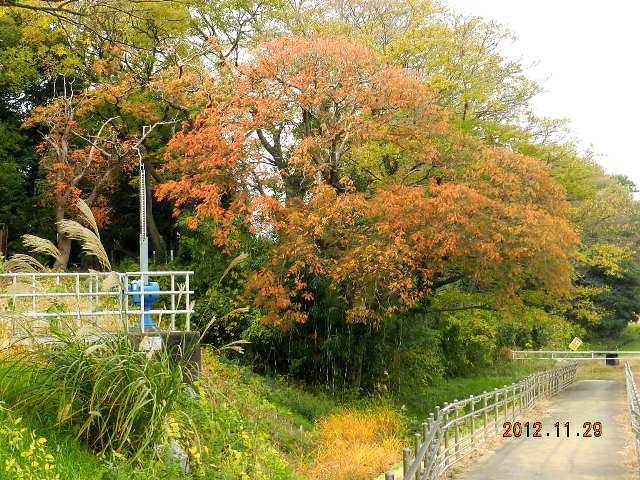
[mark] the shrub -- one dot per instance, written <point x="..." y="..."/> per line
<point x="99" y="387"/>
<point x="533" y="328"/>
<point x="468" y="340"/>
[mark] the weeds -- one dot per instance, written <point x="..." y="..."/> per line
<point x="247" y="436"/>
<point x="96" y="386"/>
<point x="29" y="456"/>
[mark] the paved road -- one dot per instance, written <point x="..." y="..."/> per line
<point x="575" y="458"/>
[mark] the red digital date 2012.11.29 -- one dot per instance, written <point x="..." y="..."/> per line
<point x="535" y="430"/>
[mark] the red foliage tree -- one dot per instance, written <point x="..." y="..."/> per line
<point x="352" y="171"/>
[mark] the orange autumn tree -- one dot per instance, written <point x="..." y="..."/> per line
<point x="351" y="172"/>
<point x="87" y="142"/>
<point x="295" y="115"/>
<point x="75" y="160"/>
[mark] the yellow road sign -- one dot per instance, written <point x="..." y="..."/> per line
<point x="575" y="344"/>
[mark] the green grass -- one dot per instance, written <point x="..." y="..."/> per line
<point x="240" y="425"/>
<point x="259" y="415"/>
<point x="73" y="460"/>
<point x="253" y="427"/>
<point x="98" y="388"/>
<point x="630" y="338"/>
<point x="420" y="403"/>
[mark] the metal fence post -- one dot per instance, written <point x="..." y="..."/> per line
<point x="495" y="410"/>
<point x="418" y="444"/>
<point x="173" y="301"/>
<point x="433" y="450"/>
<point x="34" y="307"/>
<point x="506" y="401"/>
<point x="78" y="320"/>
<point x="90" y="302"/>
<point x="97" y="289"/>
<point x="427" y="427"/>
<point x="187" y="325"/>
<point x="437" y="425"/>
<point x="143" y="286"/>
<point x="485" y="416"/>
<point x="456" y="436"/>
<point x="472" y="413"/>
<point x="445" y="433"/>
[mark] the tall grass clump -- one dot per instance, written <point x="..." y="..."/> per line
<point x="98" y="387"/>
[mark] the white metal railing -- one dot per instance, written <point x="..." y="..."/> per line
<point x="573" y="355"/>
<point x="457" y="429"/>
<point x="634" y="409"/>
<point x="94" y="296"/>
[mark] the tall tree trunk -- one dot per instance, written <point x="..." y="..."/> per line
<point x="361" y="334"/>
<point x="64" y="245"/>
<point x="159" y="245"/>
<point x="64" y="242"/>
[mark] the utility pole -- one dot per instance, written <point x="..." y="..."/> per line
<point x="144" y="240"/>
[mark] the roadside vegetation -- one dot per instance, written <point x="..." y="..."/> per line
<point x="629" y="339"/>
<point x="367" y="200"/>
<point x="236" y="424"/>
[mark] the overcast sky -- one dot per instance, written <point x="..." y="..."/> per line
<point x="586" y="55"/>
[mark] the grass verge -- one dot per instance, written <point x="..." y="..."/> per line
<point x="242" y="426"/>
<point x="423" y="401"/>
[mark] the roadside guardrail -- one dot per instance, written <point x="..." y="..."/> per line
<point x="458" y="428"/>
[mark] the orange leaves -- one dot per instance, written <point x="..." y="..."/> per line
<point x="90" y="138"/>
<point x="299" y="111"/>
<point x="384" y="254"/>
<point x="210" y="165"/>
<point x="515" y="178"/>
<point x="350" y="169"/>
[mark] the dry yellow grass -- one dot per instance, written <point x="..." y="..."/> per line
<point x="356" y="445"/>
<point x="598" y="370"/>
